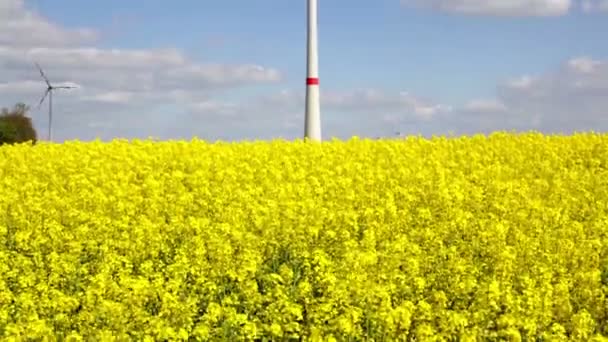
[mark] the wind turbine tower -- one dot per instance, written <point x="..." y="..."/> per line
<point x="313" y="112"/>
<point x="49" y="91"/>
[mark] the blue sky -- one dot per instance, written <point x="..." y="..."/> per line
<point x="416" y="67"/>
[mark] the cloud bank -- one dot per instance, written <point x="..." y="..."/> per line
<point x="509" y="8"/>
<point x="572" y="97"/>
<point x="121" y="81"/>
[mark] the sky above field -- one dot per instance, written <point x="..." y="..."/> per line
<point x="235" y="69"/>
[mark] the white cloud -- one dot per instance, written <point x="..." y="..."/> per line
<point x="594" y="5"/>
<point x="485" y="106"/>
<point x="569" y="98"/>
<point x="344" y="113"/>
<point x="373" y="100"/>
<point x="20" y="26"/>
<point x="510" y="8"/>
<point x="496" y="7"/>
<point x="211" y="107"/>
<point x="584" y="65"/>
<point x="113" y="84"/>
<point x="88" y="57"/>
<point x="224" y="74"/>
<point x="122" y="97"/>
<point x="368" y="101"/>
<point x="21" y="87"/>
<point x="136" y="70"/>
<point x="521" y="82"/>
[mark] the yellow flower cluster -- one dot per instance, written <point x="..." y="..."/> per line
<point x="481" y="238"/>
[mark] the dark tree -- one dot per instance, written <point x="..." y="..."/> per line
<point x="16" y="126"/>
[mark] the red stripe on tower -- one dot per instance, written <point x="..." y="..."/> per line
<point x="312" y="81"/>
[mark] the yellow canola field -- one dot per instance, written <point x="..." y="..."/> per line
<point x="476" y="238"/>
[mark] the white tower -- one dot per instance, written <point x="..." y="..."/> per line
<point x="313" y="111"/>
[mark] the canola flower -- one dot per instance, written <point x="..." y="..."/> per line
<point x="475" y="238"/>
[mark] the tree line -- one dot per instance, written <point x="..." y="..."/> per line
<point x="16" y="126"/>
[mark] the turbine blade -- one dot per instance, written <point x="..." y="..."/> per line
<point x="43" y="75"/>
<point x="65" y="87"/>
<point x="44" y="97"/>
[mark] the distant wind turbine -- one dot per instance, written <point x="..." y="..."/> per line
<point x="49" y="91"/>
<point x="312" y="123"/>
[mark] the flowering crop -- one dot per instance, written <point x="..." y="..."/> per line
<point x="503" y="237"/>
